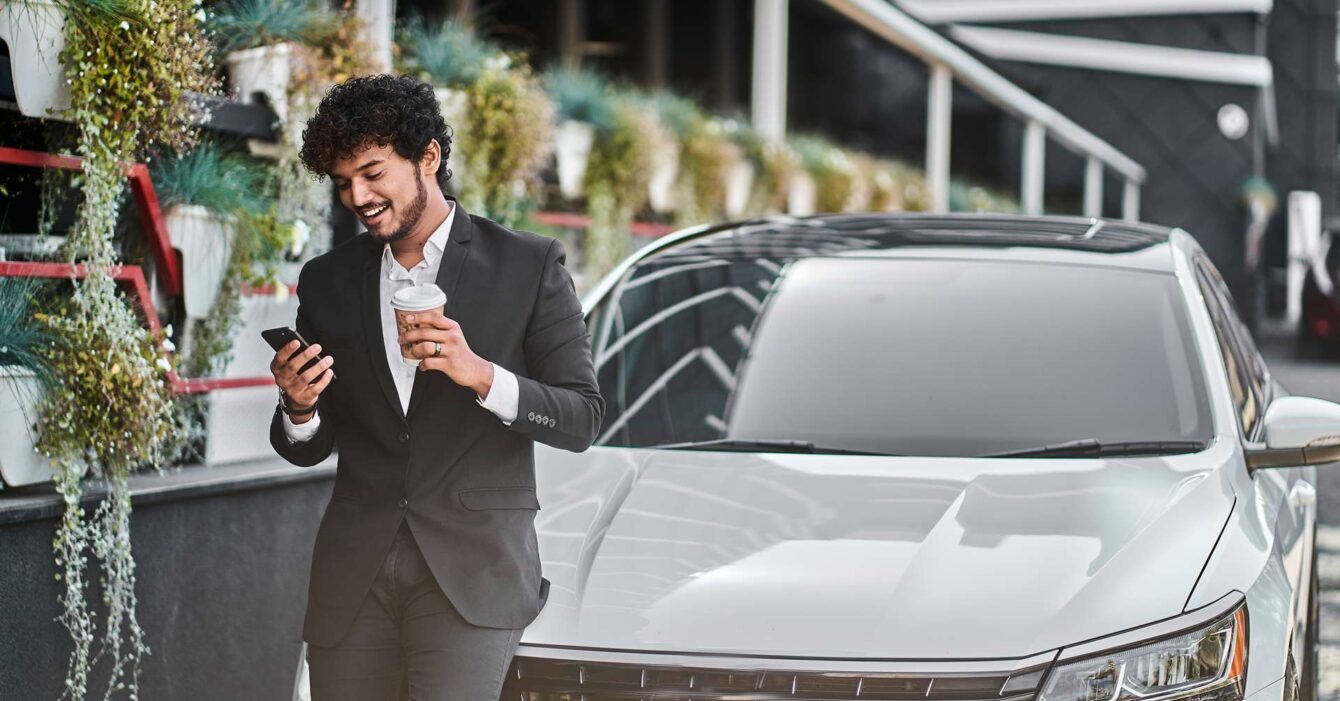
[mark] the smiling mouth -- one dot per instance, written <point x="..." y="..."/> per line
<point x="374" y="215"/>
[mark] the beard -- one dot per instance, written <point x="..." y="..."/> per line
<point x="412" y="214"/>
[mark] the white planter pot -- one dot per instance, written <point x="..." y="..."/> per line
<point x="20" y="395"/>
<point x="801" y="194"/>
<point x="262" y="74"/>
<point x="238" y="424"/>
<point x="664" y="171"/>
<point x="205" y="242"/>
<point x="572" y="149"/>
<point x="456" y="110"/>
<point x="739" y="184"/>
<point x="34" y="30"/>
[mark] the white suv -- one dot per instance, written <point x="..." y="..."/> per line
<point x="929" y="457"/>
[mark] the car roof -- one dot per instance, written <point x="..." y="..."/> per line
<point x="1072" y="240"/>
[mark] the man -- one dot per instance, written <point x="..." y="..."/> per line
<point x="425" y="568"/>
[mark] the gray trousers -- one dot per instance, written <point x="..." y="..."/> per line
<point x="410" y="644"/>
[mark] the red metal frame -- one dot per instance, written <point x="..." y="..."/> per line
<point x="146" y="201"/>
<point x="573" y="220"/>
<point x="133" y="277"/>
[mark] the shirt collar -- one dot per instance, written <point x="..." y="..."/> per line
<point x="432" y="251"/>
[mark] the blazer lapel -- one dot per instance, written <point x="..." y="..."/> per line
<point x="372" y="328"/>
<point x="449" y="275"/>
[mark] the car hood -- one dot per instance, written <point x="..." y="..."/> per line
<point x="867" y="557"/>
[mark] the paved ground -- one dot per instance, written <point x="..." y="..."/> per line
<point x="1317" y="378"/>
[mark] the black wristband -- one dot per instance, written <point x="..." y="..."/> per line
<point x="297" y="412"/>
<point x="284" y="406"/>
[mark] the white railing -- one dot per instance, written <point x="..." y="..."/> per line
<point x="948" y="63"/>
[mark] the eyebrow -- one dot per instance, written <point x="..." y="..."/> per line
<point x="362" y="168"/>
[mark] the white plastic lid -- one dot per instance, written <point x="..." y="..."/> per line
<point x="419" y="298"/>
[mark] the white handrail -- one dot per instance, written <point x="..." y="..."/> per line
<point x="885" y="20"/>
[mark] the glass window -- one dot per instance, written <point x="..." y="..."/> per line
<point x="931" y="357"/>
<point x="1248" y="377"/>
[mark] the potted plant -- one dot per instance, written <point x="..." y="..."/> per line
<point x="34" y="30"/>
<point x="506" y="142"/>
<point x="24" y="377"/>
<point x="204" y="192"/>
<point x="833" y="173"/>
<point x="258" y="38"/>
<point x="616" y="184"/>
<point x="583" y="103"/>
<point x="705" y="154"/>
<point x="452" y="57"/>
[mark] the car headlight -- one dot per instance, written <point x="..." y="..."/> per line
<point x="1207" y="664"/>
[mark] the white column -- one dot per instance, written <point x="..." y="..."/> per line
<point x="939" y="114"/>
<point x="1093" y="187"/>
<point x="1033" y="178"/>
<point x="379" y="19"/>
<point x="1130" y="201"/>
<point x="769" y="88"/>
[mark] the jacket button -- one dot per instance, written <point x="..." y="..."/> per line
<point x="404" y="438"/>
<point x="402" y="503"/>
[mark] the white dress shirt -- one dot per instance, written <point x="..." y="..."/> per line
<point x="504" y="396"/>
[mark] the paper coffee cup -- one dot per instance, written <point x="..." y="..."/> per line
<point x="413" y="300"/>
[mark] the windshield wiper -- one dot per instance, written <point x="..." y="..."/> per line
<point x="762" y="446"/>
<point x="1092" y="447"/>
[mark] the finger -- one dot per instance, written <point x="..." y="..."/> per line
<point x="433" y="319"/>
<point x="310" y="393"/>
<point x="282" y="356"/>
<point x="298" y="360"/>
<point x="429" y="336"/>
<point x="315" y="371"/>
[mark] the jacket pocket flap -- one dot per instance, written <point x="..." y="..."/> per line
<point x="499" y="498"/>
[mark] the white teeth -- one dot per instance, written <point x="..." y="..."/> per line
<point x="373" y="212"/>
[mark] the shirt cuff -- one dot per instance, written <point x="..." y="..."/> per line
<point x="504" y="396"/>
<point x="297" y="433"/>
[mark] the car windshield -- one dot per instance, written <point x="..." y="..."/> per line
<point x="896" y="355"/>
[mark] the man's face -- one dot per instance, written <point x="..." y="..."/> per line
<point x="385" y="190"/>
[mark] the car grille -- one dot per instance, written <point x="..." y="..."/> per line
<point x="533" y="679"/>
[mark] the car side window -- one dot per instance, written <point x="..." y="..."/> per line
<point x="1248" y="378"/>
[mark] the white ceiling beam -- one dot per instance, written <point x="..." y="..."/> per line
<point x="942" y="11"/>
<point x="1117" y="56"/>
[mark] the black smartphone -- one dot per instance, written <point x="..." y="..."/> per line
<point x="282" y="336"/>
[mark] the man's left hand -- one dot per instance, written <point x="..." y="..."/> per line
<point x="455" y="360"/>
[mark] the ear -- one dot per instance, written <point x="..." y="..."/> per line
<point x="432" y="159"/>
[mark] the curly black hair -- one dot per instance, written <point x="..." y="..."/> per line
<point x="376" y="110"/>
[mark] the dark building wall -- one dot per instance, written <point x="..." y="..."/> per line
<point x="1302" y="47"/>
<point x="222" y="584"/>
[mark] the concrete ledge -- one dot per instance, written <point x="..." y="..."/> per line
<point x="188" y="482"/>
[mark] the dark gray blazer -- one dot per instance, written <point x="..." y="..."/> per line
<point x="463" y="481"/>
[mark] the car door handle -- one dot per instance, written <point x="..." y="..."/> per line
<point x="1303" y="494"/>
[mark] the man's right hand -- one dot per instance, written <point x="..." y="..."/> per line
<point x="302" y="388"/>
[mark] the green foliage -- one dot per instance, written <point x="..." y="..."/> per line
<point x="110" y="407"/>
<point x="965" y="197"/>
<point x="833" y="171"/>
<point x="222" y="182"/>
<point x="505" y="140"/>
<point x="616" y="185"/>
<point x="582" y="96"/>
<point x="447" y="54"/>
<point x="245" y="24"/>
<point x="21" y="338"/>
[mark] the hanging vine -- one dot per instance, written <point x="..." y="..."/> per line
<point x="131" y="74"/>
